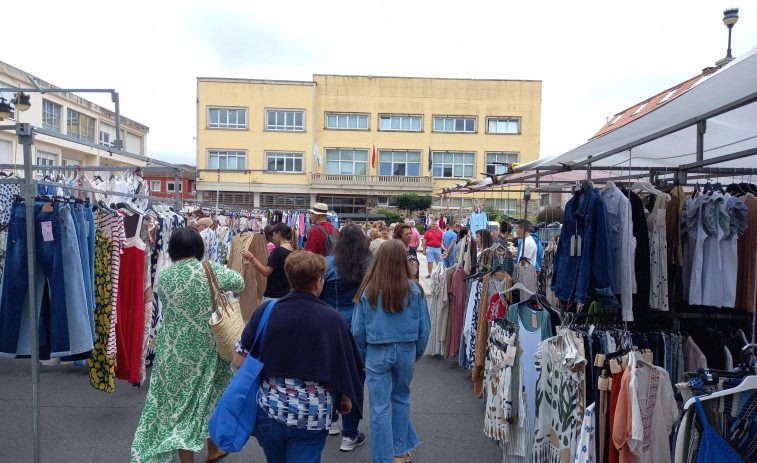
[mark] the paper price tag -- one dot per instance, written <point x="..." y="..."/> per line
<point x="510" y="355"/>
<point x="47" y="231"/>
<point x="615" y="367"/>
<point x="599" y="360"/>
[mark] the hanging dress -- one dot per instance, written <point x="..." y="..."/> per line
<point x="658" y="256"/>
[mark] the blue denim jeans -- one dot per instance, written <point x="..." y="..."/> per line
<point x="389" y="370"/>
<point x="14" y="305"/>
<point x="350" y="421"/>
<point x="82" y="232"/>
<point x="81" y="322"/>
<point x="287" y="444"/>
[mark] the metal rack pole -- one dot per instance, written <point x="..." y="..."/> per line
<point x="26" y="139"/>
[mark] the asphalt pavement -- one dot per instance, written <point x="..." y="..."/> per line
<point x="82" y="424"/>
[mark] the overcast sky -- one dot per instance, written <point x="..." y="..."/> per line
<point x="595" y="58"/>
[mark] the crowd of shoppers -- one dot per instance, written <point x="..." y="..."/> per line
<point x="338" y="321"/>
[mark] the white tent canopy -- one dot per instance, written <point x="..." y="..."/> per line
<point x="667" y="137"/>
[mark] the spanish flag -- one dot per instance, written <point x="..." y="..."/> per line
<point x="373" y="157"/>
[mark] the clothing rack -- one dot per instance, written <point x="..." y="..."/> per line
<point x="25" y="133"/>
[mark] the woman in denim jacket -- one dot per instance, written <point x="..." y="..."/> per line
<point x="391" y="325"/>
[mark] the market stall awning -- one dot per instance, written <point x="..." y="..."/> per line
<point x="667" y="136"/>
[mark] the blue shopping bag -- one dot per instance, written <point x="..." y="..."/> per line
<point x="233" y="420"/>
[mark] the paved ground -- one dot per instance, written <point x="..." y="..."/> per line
<point x="81" y="424"/>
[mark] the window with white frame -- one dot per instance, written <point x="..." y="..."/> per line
<point x="46" y="159"/>
<point x="227" y="160"/>
<point x="227" y="118"/>
<point x="387" y="201"/>
<point x="80" y="125"/>
<point x="453" y="202"/>
<point x="133" y="143"/>
<point x="107" y="134"/>
<point x="498" y="169"/>
<point x="507" y="206"/>
<point x="397" y="162"/>
<point x="285" y="120"/>
<point x="155" y="185"/>
<point x="5" y="152"/>
<point x="51" y="116"/>
<point x="347" y="121"/>
<point x="346" y="161"/>
<point x="284" y="162"/>
<point x="70" y="162"/>
<point x="401" y="123"/>
<point x="171" y="187"/>
<point x="454" y="124"/>
<point x="453" y="165"/>
<point x="508" y="125"/>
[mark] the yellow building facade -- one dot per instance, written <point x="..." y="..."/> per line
<point x="289" y="144"/>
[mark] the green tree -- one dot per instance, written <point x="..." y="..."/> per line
<point x="391" y="217"/>
<point x="411" y="202"/>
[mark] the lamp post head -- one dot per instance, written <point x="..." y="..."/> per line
<point x="22" y="101"/>
<point x="730" y="17"/>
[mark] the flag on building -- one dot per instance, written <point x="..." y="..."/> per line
<point x="317" y="152"/>
<point x="373" y="157"/>
<point x="430" y="162"/>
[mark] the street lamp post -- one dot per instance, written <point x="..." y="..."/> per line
<point x="730" y="17"/>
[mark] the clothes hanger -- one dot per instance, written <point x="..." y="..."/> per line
<point x="749" y="384"/>
<point x="520" y="287"/>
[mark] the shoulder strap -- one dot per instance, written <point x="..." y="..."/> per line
<point x="211" y="279"/>
<point x="321" y="229"/>
<point x="262" y="326"/>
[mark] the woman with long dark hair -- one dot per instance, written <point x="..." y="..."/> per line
<point x="346" y="269"/>
<point x="391" y="325"/>
<point x="286" y="242"/>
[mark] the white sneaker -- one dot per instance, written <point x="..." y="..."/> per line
<point x="349" y="443"/>
<point x="334" y="429"/>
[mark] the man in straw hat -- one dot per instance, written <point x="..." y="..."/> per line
<point x="318" y="224"/>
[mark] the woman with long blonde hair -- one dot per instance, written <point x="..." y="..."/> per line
<point x="391" y="325"/>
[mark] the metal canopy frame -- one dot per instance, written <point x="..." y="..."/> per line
<point x="25" y="133"/>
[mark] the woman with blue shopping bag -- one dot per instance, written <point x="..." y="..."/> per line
<point x="311" y="364"/>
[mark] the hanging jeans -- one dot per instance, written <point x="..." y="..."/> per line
<point x="81" y="322"/>
<point x="83" y="233"/>
<point x="389" y="370"/>
<point x="14" y="305"/>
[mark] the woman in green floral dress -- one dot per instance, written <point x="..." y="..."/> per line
<point x="188" y="376"/>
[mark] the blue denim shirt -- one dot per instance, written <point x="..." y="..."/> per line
<point x="336" y="294"/>
<point x="375" y="326"/>
<point x="589" y="276"/>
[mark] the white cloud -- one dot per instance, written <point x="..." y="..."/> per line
<point x="594" y="57"/>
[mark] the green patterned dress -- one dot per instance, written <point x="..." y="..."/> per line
<point x="188" y="376"/>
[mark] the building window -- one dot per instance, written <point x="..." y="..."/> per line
<point x="284" y="162"/>
<point x="171" y="186"/>
<point x="404" y="163"/>
<point x="387" y="201"/>
<point x="454" y="165"/>
<point x="499" y="169"/>
<point x="50" y="116"/>
<point x="70" y="162"/>
<point x="453" y="202"/>
<point x="155" y="185"/>
<point x="506" y="206"/>
<point x="638" y="110"/>
<point x="346" y="161"/>
<point x="46" y="159"/>
<point x="80" y="126"/>
<point x="5" y="152"/>
<point x="133" y="143"/>
<point x="345" y="204"/>
<point x="280" y="200"/>
<point x="347" y="121"/>
<point x="510" y="125"/>
<point x="401" y="123"/>
<point x="225" y="118"/>
<point x="227" y="160"/>
<point x="107" y="134"/>
<point x="291" y="121"/>
<point x="455" y="124"/>
<point x="670" y="93"/>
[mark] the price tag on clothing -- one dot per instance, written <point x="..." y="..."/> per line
<point x="510" y="355"/>
<point x="615" y="367"/>
<point x="599" y="360"/>
<point x="47" y="231"/>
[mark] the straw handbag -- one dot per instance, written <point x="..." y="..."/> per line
<point x="226" y="322"/>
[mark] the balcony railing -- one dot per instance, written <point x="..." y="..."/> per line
<point x="373" y="181"/>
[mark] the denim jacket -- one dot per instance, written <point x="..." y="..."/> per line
<point x="336" y="294"/>
<point x="589" y="276"/>
<point x="375" y="326"/>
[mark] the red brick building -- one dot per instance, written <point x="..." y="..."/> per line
<point x="161" y="183"/>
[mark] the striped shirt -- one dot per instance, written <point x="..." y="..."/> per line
<point x="112" y="224"/>
<point x="297" y="403"/>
